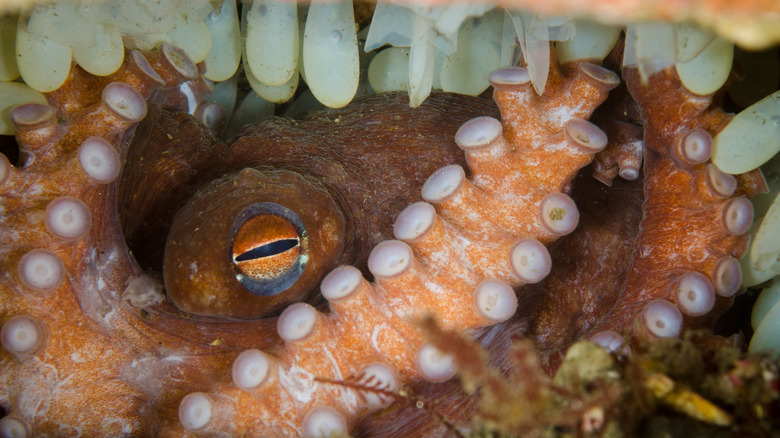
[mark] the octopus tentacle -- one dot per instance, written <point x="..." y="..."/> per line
<point x="61" y="250"/>
<point x="64" y="318"/>
<point x="671" y="264"/>
<point x="53" y="221"/>
<point x="72" y="293"/>
<point x="623" y="154"/>
<point x="620" y="120"/>
<point x="458" y="262"/>
<point x="681" y="269"/>
<point x="694" y="218"/>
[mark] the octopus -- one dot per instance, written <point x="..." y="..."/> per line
<point x="181" y="285"/>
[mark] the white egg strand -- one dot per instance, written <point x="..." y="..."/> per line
<point x="106" y="56"/>
<point x="751" y="139"/>
<point x="330" y="52"/>
<point x="194" y="38"/>
<point x="766" y="322"/>
<point x="272" y="41"/>
<point x="8" y="69"/>
<point x="478" y="54"/>
<point x="708" y="71"/>
<point x="43" y="63"/>
<point x="225" y="55"/>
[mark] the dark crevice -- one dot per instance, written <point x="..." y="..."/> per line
<point x="10" y="149"/>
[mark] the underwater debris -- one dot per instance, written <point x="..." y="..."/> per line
<point x="699" y="385"/>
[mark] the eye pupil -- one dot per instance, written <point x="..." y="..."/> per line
<point x="267" y="250"/>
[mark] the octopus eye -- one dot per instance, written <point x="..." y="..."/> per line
<point x="269" y="248"/>
<point x="233" y="252"/>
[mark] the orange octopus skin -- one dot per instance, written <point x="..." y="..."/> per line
<point x="95" y="347"/>
<point x="94" y="350"/>
<point x="695" y="217"/>
<point x="145" y="370"/>
<point x="693" y="224"/>
<point x="332" y="154"/>
<point x="370" y="331"/>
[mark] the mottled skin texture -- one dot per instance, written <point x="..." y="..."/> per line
<point x="311" y="146"/>
<point x="145" y="361"/>
<point x="106" y="327"/>
<point x="602" y="243"/>
<point x="675" y="200"/>
<point x="337" y="151"/>
<point x="375" y="324"/>
<point x="598" y="280"/>
<point x="590" y="263"/>
<point x="95" y="342"/>
<point x="637" y="255"/>
<point x="139" y="363"/>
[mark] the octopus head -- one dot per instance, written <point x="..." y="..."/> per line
<point x="236" y="250"/>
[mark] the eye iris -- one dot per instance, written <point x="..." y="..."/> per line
<point x="265" y="246"/>
<point x="268" y="249"/>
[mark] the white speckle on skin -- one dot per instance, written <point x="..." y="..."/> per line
<point x="299" y="383"/>
<point x="348" y="397"/>
<point x="109" y="316"/>
<point x="375" y="336"/>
